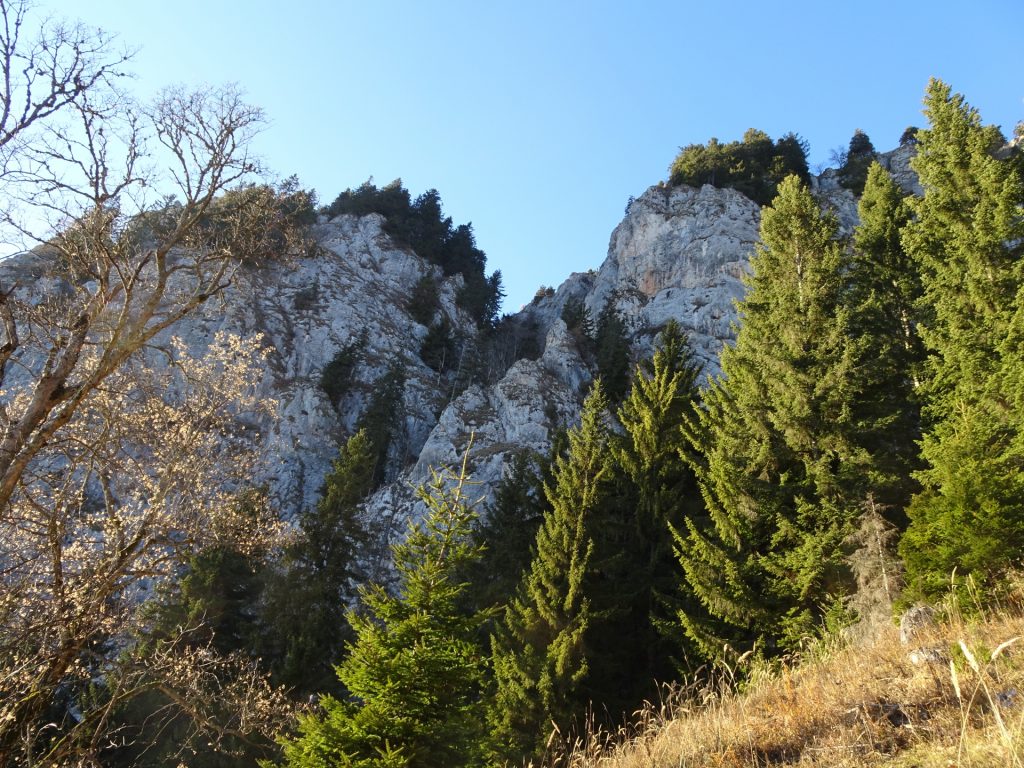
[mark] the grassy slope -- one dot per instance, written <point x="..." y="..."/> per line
<point x="866" y="704"/>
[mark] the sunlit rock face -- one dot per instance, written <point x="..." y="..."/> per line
<point x="307" y="308"/>
<point x="679" y="252"/>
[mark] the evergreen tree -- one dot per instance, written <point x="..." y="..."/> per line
<point x="664" y="391"/>
<point x="306" y="604"/>
<point x="781" y="477"/>
<point x="539" y="654"/>
<point x="884" y="292"/>
<point x="966" y="237"/>
<point x="414" y="670"/>
<point x="611" y="350"/>
<point x="853" y="173"/>
<point x="382" y="418"/>
<point x="507" y="533"/>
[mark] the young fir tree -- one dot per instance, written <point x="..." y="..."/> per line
<point x="414" y="670"/>
<point x="539" y="654"/>
<point x="860" y="155"/>
<point x="649" y="454"/>
<point x="306" y="604"/>
<point x="966" y="237"/>
<point x="781" y="477"/>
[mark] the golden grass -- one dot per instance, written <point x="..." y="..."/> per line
<point x="865" y="704"/>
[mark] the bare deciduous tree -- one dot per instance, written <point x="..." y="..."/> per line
<point x="119" y="448"/>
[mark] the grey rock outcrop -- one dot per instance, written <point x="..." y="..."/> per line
<point x="679" y="253"/>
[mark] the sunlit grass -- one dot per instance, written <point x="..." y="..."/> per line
<point x="845" y="704"/>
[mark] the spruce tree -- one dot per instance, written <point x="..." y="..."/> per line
<point x="382" y="418"/>
<point x="966" y="237"/>
<point x="539" y="653"/>
<point x="611" y="351"/>
<point x="414" y="670"/>
<point x="885" y="289"/>
<point x="663" y="392"/>
<point x="780" y="474"/>
<point x="306" y="603"/>
<point x="507" y="533"/>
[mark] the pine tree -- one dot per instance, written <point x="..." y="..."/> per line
<point x="539" y="655"/>
<point x="414" y="670"/>
<point x="307" y="603"/>
<point x="778" y="470"/>
<point x="966" y="237"/>
<point x="649" y="454"/>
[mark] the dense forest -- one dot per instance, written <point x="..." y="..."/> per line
<point x="868" y="419"/>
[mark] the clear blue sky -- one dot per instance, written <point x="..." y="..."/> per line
<point x="537" y="120"/>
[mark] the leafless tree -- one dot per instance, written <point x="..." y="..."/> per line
<point x="119" y="447"/>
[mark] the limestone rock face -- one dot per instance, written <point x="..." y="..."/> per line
<point x="306" y="308"/>
<point x="680" y="253"/>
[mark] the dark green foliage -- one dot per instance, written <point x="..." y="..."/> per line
<point x="336" y="377"/>
<point x="414" y="670"/>
<point x="754" y="166"/>
<point x="539" y="653"/>
<point x="422" y="226"/>
<point x="778" y="460"/>
<point x="306" y="603"/>
<point x="884" y="295"/>
<point x="577" y="317"/>
<point x="909" y="135"/>
<point x="215" y="600"/>
<point x="383" y="418"/>
<point x="481" y="297"/>
<point x="391" y="201"/>
<point x="611" y="351"/>
<point x="425" y="300"/>
<point x="664" y="392"/>
<point x="438" y="347"/>
<point x="507" y="533"/>
<point x="853" y="172"/>
<point x="579" y="322"/>
<point x="966" y="237"/>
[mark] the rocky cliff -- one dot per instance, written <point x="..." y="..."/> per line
<point x="679" y="253"/>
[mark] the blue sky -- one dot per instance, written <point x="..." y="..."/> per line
<point x="537" y="121"/>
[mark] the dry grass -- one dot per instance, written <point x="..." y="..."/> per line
<point x="865" y="704"/>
